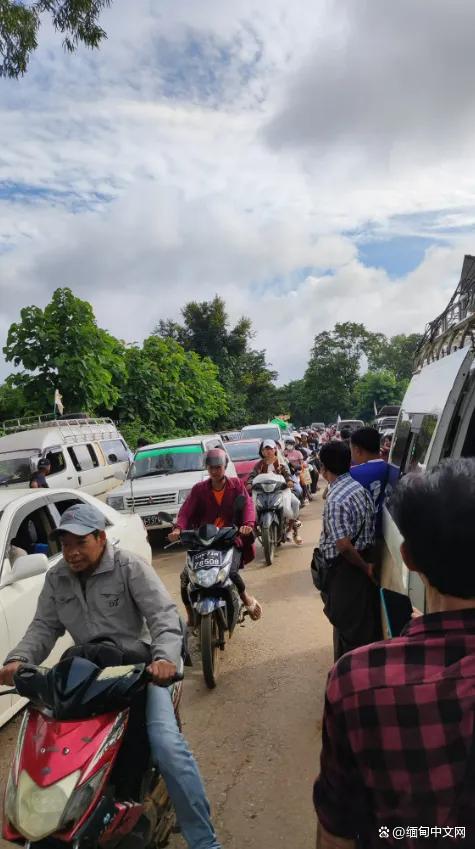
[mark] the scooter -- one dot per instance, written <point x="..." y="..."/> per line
<point x="268" y="492"/>
<point x="214" y="599"/>
<point x="78" y="778"/>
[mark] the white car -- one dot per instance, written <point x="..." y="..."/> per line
<point x="162" y="476"/>
<point x="27" y="517"/>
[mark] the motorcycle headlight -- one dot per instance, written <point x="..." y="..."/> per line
<point x="116" y="501"/>
<point x="38" y="811"/>
<point x="82" y="798"/>
<point x="259" y="500"/>
<point x="183" y="495"/>
<point x="206" y="577"/>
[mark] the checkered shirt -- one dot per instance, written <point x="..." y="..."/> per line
<point x="349" y="509"/>
<point x="397" y="729"/>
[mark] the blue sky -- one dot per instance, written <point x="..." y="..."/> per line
<point x="279" y="155"/>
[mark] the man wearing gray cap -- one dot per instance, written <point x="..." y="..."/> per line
<point x="99" y="592"/>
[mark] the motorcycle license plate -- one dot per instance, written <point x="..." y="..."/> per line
<point x="206" y="560"/>
<point x="151" y="520"/>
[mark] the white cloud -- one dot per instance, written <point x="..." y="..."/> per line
<point x="195" y="153"/>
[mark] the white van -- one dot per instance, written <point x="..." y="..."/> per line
<point x="162" y="476"/>
<point x="262" y="431"/>
<point x="437" y="415"/>
<point x="84" y="453"/>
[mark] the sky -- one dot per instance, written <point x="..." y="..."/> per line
<point x="309" y="162"/>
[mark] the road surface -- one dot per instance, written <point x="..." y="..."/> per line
<point x="257" y="736"/>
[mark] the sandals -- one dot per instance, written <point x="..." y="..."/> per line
<point x="254" y="609"/>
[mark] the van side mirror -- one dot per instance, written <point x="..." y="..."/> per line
<point x="112" y="458"/>
<point x="26" y="566"/>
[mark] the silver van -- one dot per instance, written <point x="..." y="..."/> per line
<point x="84" y="453"/>
<point x="437" y="415"/>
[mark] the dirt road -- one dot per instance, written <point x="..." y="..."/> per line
<point x="257" y="736"/>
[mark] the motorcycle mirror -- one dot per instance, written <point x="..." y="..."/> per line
<point x="166" y="517"/>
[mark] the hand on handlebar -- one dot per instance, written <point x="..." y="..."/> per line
<point x="174" y="535"/>
<point x="162" y="672"/>
<point x="8" y="671"/>
<point x="245" y="530"/>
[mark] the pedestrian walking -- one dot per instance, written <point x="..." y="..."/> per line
<point x="346" y="552"/>
<point x="398" y="754"/>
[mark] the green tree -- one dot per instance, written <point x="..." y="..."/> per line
<point x="62" y="347"/>
<point x="168" y="391"/>
<point x="333" y="370"/>
<point x="243" y="371"/>
<point x="76" y="20"/>
<point x="395" y="354"/>
<point x="13" y="402"/>
<point x="292" y="400"/>
<point x="375" y="387"/>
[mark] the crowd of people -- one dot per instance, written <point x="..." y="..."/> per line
<point x="398" y="744"/>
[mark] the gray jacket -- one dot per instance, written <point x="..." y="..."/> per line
<point x="123" y="599"/>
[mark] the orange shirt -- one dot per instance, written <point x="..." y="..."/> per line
<point x="219" y="495"/>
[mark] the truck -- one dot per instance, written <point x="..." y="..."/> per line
<point x="437" y="416"/>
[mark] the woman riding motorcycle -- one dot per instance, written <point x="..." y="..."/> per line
<point x="211" y="502"/>
<point x="270" y="464"/>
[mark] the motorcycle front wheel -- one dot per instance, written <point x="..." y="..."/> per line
<point x="210" y="640"/>
<point x="268" y="542"/>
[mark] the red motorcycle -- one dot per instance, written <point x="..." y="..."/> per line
<point x="81" y="773"/>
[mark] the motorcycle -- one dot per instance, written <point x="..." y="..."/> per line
<point x="215" y="601"/>
<point x="77" y="778"/>
<point x="268" y="492"/>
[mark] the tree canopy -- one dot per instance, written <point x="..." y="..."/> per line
<point x="76" y="20"/>
<point x="199" y="375"/>
<point x="63" y="346"/>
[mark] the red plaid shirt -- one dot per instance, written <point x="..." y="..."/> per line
<point x="397" y="729"/>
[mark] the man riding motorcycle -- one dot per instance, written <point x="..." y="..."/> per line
<point x="211" y="502"/>
<point x="99" y="592"/>
<point x="270" y="464"/>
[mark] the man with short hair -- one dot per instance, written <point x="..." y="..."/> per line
<point x="399" y="722"/>
<point x="346" y="545"/>
<point x="98" y="592"/>
<point x="38" y="478"/>
<point x="369" y="469"/>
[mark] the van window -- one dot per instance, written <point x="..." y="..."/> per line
<point x="401" y="442"/>
<point x="83" y="457"/>
<point x="115" y="447"/>
<point x="417" y="454"/>
<point x="58" y="463"/>
<point x="412" y="440"/>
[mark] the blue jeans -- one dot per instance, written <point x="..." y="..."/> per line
<point x="172" y="756"/>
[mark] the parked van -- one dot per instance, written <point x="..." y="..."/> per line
<point x="84" y="453"/>
<point x="162" y="476"/>
<point x="437" y="415"/>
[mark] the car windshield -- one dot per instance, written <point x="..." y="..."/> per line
<point x="259" y="432"/>
<point x="243" y="450"/>
<point x="169" y="461"/>
<point x="15" y="466"/>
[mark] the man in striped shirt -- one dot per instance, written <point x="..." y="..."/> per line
<point x="347" y="544"/>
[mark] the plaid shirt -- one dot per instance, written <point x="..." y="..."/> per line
<point x="349" y="510"/>
<point x="397" y="729"/>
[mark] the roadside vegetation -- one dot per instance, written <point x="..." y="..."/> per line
<point x="196" y="375"/>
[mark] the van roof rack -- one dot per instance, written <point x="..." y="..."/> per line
<point x="70" y="430"/>
<point x="451" y="329"/>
